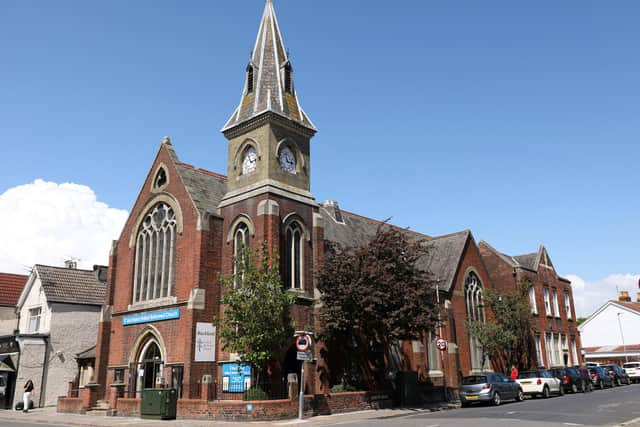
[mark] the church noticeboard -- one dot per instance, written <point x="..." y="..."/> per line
<point x="155" y="316"/>
<point x="205" y="342"/>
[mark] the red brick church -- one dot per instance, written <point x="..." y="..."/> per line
<point x="187" y="223"/>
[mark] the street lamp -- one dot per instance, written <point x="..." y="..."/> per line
<point x="624" y="348"/>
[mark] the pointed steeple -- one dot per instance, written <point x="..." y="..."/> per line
<point x="269" y="83"/>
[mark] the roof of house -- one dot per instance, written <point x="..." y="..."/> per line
<point x="635" y="306"/>
<point x="612" y="348"/>
<point x="10" y="288"/>
<point x="444" y="252"/>
<point x="71" y="286"/>
<point x="89" y="353"/>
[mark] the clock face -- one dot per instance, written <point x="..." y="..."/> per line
<point x="249" y="161"/>
<point x="287" y="160"/>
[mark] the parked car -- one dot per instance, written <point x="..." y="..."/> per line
<point x="633" y="370"/>
<point x="585" y="377"/>
<point x="591" y="364"/>
<point x="489" y="387"/>
<point x="600" y="378"/>
<point x="619" y="375"/>
<point x="570" y="379"/>
<point x="539" y="383"/>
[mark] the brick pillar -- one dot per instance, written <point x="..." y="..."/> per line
<point x="205" y="391"/>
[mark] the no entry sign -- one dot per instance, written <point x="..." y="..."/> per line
<point x="441" y="344"/>
<point x="303" y="342"/>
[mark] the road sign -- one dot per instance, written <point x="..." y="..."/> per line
<point x="303" y="342"/>
<point x="305" y="355"/>
<point x="441" y="344"/>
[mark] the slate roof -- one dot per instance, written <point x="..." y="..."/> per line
<point x="527" y="260"/>
<point x="268" y="61"/>
<point x="445" y="251"/>
<point x="89" y="353"/>
<point x="635" y="306"/>
<point x="10" y="288"/>
<point x="71" y="286"/>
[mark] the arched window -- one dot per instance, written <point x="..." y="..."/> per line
<point x="154" y="271"/>
<point x="249" y="78"/>
<point x="240" y="242"/>
<point x="475" y="313"/>
<point x="293" y="256"/>
<point x="288" y="87"/>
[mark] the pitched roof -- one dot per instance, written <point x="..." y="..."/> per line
<point x="269" y="66"/>
<point x="635" y="306"/>
<point x="612" y="348"/>
<point x="10" y="288"/>
<point x="444" y="252"/>
<point x="71" y="286"/>
<point x="527" y="260"/>
<point x="89" y="353"/>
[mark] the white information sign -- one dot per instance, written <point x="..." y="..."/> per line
<point x="205" y="342"/>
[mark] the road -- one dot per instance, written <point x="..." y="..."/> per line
<point x="599" y="408"/>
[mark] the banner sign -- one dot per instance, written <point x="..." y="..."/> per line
<point x="156" y="316"/>
<point x="205" y="342"/>
<point x="236" y="378"/>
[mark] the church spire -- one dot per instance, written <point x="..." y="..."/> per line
<point x="269" y="83"/>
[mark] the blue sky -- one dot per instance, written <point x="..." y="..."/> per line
<point x="518" y="120"/>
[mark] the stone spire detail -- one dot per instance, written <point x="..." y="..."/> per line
<point x="269" y="83"/>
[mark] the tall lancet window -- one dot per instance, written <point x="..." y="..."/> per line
<point x="288" y="86"/>
<point x="154" y="270"/>
<point x="240" y="243"/>
<point x="475" y="313"/>
<point x="249" y="78"/>
<point x="293" y="256"/>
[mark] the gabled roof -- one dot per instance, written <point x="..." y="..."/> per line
<point x="89" y="353"/>
<point x="10" y="288"/>
<point x="633" y="307"/>
<point x="530" y="261"/>
<point x="71" y="286"/>
<point x="269" y="64"/>
<point x="444" y="252"/>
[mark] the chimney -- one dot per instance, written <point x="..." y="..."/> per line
<point x="624" y="296"/>
<point x="334" y="209"/>
<point x="71" y="264"/>
<point x="100" y="272"/>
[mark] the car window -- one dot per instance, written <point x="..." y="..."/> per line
<point x="572" y="371"/>
<point x="530" y="374"/>
<point x="475" y="379"/>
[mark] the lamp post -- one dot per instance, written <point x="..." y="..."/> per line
<point x="624" y="347"/>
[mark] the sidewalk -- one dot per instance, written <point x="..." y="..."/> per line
<point x="49" y="415"/>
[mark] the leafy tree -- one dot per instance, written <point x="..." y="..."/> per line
<point x="373" y="295"/>
<point x="580" y="320"/>
<point x="256" y="322"/>
<point x="508" y="340"/>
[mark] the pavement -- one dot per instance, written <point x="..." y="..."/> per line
<point x="51" y="417"/>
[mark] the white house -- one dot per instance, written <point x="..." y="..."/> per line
<point x="612" y="333"/>
<point x="59" y="310"/>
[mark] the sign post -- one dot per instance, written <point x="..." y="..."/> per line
<point x="303" y="345"/>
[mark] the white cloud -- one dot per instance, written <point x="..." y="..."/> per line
<point x="589" y="295"/>
<point x="46" y="223"/>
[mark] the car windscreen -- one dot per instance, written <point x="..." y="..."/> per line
<point x="475" y="379"/>
<point x="531" y="374"/>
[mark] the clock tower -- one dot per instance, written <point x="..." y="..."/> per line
<point x="269" y="133"/>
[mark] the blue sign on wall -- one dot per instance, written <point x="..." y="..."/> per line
<point x="156" y="316"/>
<point x="236" y="378"/>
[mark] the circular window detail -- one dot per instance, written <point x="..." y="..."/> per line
<point x="249" y="161"/>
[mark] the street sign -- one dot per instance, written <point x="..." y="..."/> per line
<point x="303" y="342"/>
<point x="441" y="344"/>
<point x="305" y="355"/>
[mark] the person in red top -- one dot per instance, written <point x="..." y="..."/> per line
<point x="514" y="372"/>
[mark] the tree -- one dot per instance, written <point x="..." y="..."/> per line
<point x="508" y="340"/>
<point x="373" y="295"/>
<point x="256" y="322"/>
<point x="580" y="320"/>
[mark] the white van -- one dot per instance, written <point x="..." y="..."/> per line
<point x="633" y="370"/>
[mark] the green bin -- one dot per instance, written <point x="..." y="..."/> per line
<point x="159" y="403"/>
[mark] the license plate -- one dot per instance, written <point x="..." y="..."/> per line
<point x="525" y="382"/>
<point x="472" y="396"/>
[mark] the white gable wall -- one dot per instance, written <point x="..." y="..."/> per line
<point x="602" y="328"/>
<point x="35" y="298"/>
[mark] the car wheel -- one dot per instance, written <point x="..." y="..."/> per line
<point x="574" y="388"/>
<point x="496" y="399"/>
<point x="617" y="382"/>
<point x="561" y="390"/>
<point x="464" y="404"/>
<point x="520" y="396"/>
<point x="545" y="392"/>
<point x="601" y="384"/>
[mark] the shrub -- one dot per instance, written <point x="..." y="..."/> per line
<point x="340" y="388"/>
<point x="255" y="393"/>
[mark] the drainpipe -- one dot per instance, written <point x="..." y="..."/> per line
<point x="45" y="372"/>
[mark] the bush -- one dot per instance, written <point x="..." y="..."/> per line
<point x="341" y="388"/>
<point x="255" y="393"/>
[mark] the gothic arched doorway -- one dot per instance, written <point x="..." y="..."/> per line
<point x="146" y="371"/>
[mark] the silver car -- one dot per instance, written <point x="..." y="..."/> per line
<point x="489" y="387"/>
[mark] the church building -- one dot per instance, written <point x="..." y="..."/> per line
<point x="187" y="224"/>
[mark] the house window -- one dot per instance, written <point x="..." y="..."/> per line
<point x="434" y="357"/>
<point x="563" y="347"/>
<point x="556" y="350"/>
<point x="34" y="319"/>
<point x="475" y="313"/>
<point x="532" y="300"/>
<point x="556" y="309"/>
<point x="549" y="347"/>
<point x="118" y="376"/>
<point x="547" y="302"/>
<point x="538" y="351"/>
<point x="574" y="352"/>
<point x="293" y="256"/>
<point x="154" y="271"/>
<point x="567" y="304"/>
<point x="240" y="242"/>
